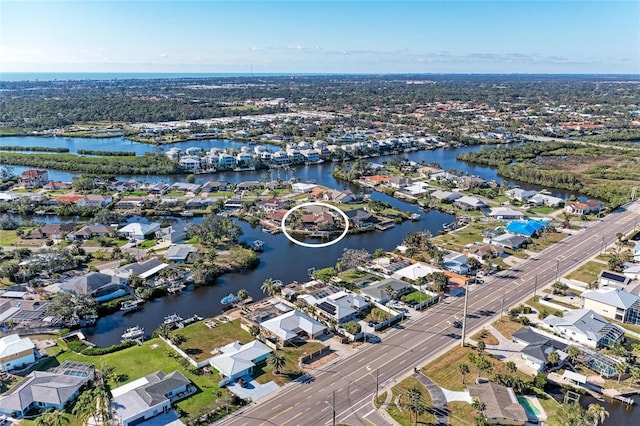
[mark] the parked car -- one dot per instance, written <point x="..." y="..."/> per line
<point x="242" y="382"/>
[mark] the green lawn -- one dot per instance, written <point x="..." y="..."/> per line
<point x="466" y="235"/>
<point x="291" y="370"/>
<point x="397" y="408"/>
<point x="175" y="194"/>
<point x="136" y="193"/>
<point x="543" y="210"/>
<point x="506" y="327"/>
<point x="201" y="340"/>
<point x="588" y="272"/>
<point x="221" y="194"/>
<point x="138" y="361"/>
<point x="460" y="413"/>
<point x="146" y="244"/>
<point x="551" y="238"/>
<point x="416" y="295"/>
<point x="7" y="238"/>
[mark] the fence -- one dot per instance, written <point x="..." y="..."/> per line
<point x="317" y="354"/>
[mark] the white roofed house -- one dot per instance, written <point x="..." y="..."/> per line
<point x="147" y="269"/>
<point x="469" y="203"/>
<point x="139" y="231"/>
<point x="586" y="327"/>
<point x="293" y="325"/>
<point x="342" y="306"/>
<point x="519" y="194"/>
<point x="101" y="287"/>
<point x="16" y="352"/>
<point x="237" y="360"/>
<point x="613" y="303"/>
<point x="506" y="213"/>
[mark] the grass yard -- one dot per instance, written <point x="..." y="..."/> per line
<point x="488" y="339"/>
<point x="444" y="370"/>
<point x="506" y="327"/>
<point x="415" y="295"/>
<point x="467" y="235"/>
<point x="175" y="194"/>
<point x="136" y="193"/>
<point x="548" y="240"/>
<point x="397" y="408"/>
<point x="220" y="194"/>
<point x="588" y="272"/>
<point x="132" y="363"/>
<point x="201" y="340"/>
<point x="7" y="238"/>
<point x="264" y="374"/>
<point x="460" y="413"/>
<point x="543" y="210"/>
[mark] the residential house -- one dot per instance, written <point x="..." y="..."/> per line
<point x="292" y="325"/>
<point x="442" y="175"/>
<point x="126" y="203"/>
<point x="538" y="347"/>
<point x="542" y="199"/>
<point x="467" y="182"/>
<point x="215" y="186"/>
<point x="381" y="291"/>
<point x="342" y="306"/>
<point x="501" y="406"/>
<point x="270" y="204"/>
<point x="55" y="231"/>
<point x="519" y="194"/>
<point x="469" y="203"/>
<point x="586" y="327"/>
<point x="636" y="252"/>
<point x="483" y="251"/>
<point x="507" y="240"/>
<point x="55" y="186"/>
<point x="249" y="185"/>
<point x="179" y="253"/>
<point x="56" y="389"/>
<point x="16" y="352"/>
<point x="318" y="220"/>
<point x="174" y="233"/>
<point x="415" y="271"/>
<point x="340" y="197"/>
<point x="301" y="187"/>
<point x="30" y="312"/>
<point x="89" y="231"/>
<point x="506" y="213"/>
<point x="149" y="396"/>
<point x="528" y="228"/>
<point x="376" y="180"/>
<point x="360" y="218"/>
<point x="445" y="196"/>
<point x="612" y="303"/>
<point x="456" y="262"/>
<point x="70" y="199"/>
<point x="237" y="360"/>
<point x="34" y="178"/>
<point x="147" y="269"/>
<point x="94" y="200"/>
<point x="233" y="203"/>
<point x="583" y="207"/>
<point x="398" y="182"/>
<point x="101" y="287"/>
<point x="613" y="279"/>
<point x="416" y="189"/>
<point x="139" y="231"/>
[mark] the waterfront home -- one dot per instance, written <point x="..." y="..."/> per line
<point x="482" y="251"/>
<point x="179" y="253"/>
<point x="543" y="199"/>
<point x="189" y="162"/>
<point x="249" y="185"/>
<point x="16" y="352"/>
<point x="270" y="204"/>
<point x="340" y="197"/>
<point x="398" y="182"/>
<point x="538" y="347"/>
<point x="280" y="158"/>
<point x="237" y="360"/>
<point x="27" y="312"/>
<point x="586" y="327"/>
<point x="215" y="186"/>
<point x="443" y="176"/>
<point x="506" y="213"/>
<point x="55" y="389"/>
<point x="506" y="240"/>
<point x="146" y="270"/>
<point x="101" y="287"/>
<point x="613" y="279"/>
<point x="186" y="187"/>
<point x="445" y="196"/>
<point x="467" y="182"/>
<point x="34" y="178"/>
<point x="174" y="233"/>
<point x="126" y="203"/>
<point x="149" y="396"/>
<point x="55" y="186"/>
<point x="89" y="231"/>
<point x="301" y="187"/>
<point x="519" y="194"/>
<point x="233" y="203"/>
<point x="318" y="220"/>
<point x="292" y="326"/>
<point x="55" y="231"/>
<point x="376" y="180"/>
<point x="500" y="404"/>
<point x="139" y="231"/>
<point x="456" y="262"/>
<point x="583" y="207"/>
<point x="469" y="203"/>
<point x="613" y="303"/>
<point x="528" y="228"/>
<point x="342" y="306"/>
<point x="416" y="189"/>
<point x="157" y="188"/>
<point x="360" y="218"/>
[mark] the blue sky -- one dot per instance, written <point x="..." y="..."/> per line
<point x="322" y="37"/>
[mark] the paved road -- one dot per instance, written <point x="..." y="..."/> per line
<point x="401" y="350"/>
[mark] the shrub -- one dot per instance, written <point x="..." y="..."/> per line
<point x="108" y="349"/>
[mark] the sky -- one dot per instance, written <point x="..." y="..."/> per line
<point x="320" y="36"/>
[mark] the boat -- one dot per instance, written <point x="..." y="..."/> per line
<point x="133" y="333"/>
<point x="172" y="319"/>
<point x="229" y="299"/>
<point x="414" y="216"/>
<point x="131" y="305"/>
<point x="257" y="245"/>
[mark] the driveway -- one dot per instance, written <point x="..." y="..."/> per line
<point x="254" y="390"/>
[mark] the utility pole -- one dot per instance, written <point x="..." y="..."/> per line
<point x="464" y="318"/>
<point x="502" y="308"/>
<point x="557" y="269"/>
<point x="377" y="383"/>
<point x="535" y="287"/>
<point x="333" y="407"/>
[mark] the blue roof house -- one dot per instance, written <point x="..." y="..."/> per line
<point x="527" y="228"/>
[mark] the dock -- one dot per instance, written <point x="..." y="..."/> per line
<point x="176" y="288"/>
<point x="620" y="395"/>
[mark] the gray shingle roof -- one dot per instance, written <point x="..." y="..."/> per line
<point x="41" y="386"/>
<point x="612" y="297"/>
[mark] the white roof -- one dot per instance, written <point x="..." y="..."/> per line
<point x="415" y="271"/>
<point x="237" y="358"/>
<point x="505" y="211"/>
<point x="129" y="386"/>
<point x="13" y="344"/>
<point x="579" y="378"/>
<point x="285" y="325"/>
<point x="612" y="296"/>
<point x="139" y="228"/>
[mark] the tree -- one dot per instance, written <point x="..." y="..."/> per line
<point x="276" y="361"/>
<point x="215" y="228"/>
<point x="390" y="292"/>
<point x="163" y="330"/>
<point x="243" y="294"/>
<point x="554" y="358"/>
<point x="573" y="352"/>
<point x="512" y="367"/>
<point x="598" y="414"/>
<point x="440" y="280"/>
<point x="254" y="330"/>
<point x="101" y="399"/>
<point x="85" y="407"/>
<point x="621" y="369"/>
<point x="635" y="374"/>
<point x="269" y="287"/>
<point x="540" y="381"/>
<point x="352" y="258"/>
<point x="136" y="281"/>
<point x="325" y="274"/>
<point x="463" y="369"/>
<point x="478" y="405"/>
<point x="483" y="364"/>
<point x="415" y="404"/>
<point x="51" y="418"/>
<point x="481" y="346"/>
<point x="379" y="252"/>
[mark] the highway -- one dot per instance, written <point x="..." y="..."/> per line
<point x="401" y="350"/>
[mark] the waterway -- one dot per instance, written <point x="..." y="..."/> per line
<point x="619" y="414"/>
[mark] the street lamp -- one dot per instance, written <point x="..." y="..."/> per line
<point x="464" y="316"/>
<point x="535" y="287"/>
<point x="333" y="408"/>
<point x="557" y="269"/>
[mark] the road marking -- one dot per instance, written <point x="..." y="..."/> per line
<point x="291" y="419"/>
<point x="369" y="413"/>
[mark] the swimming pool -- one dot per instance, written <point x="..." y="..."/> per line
<point x="528" y="406"/>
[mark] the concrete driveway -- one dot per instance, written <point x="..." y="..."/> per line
<point x="254" y="390"/>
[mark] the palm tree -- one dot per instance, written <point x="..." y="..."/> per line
<point x="598" y="413"/>
<point x="573" y="353"/>
<point x="254" y="330"/>
<point x="243" y="294"/>
<point x="276" y="361"/>
<point x="512" y="367"/>
<point x="621" y="369"/>
<point x="481" y="346"/>
<point x="553" y="358"/>
<point x="101" y="401"/>
<point x="635" y="374"/>
<point x="84" y="408"/>
<point x="163" y="330"/>
<point x="269" y="287"/>
<point x="463" y="369"/>
<point x="414" y="403"/>
<point x="478" y="406"/>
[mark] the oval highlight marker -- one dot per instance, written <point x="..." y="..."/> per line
<point x="320" y="245"/>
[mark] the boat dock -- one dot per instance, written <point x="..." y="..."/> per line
<point x="621" y="396"/>
<point x="176" y="288"/>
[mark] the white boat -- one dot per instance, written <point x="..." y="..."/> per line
<point x="133" y="333"/>
<point x="130" y="305"/>
<point x="257" y="245"/>
<point x="414" y="216"/>
<point x="172" y="319"/>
